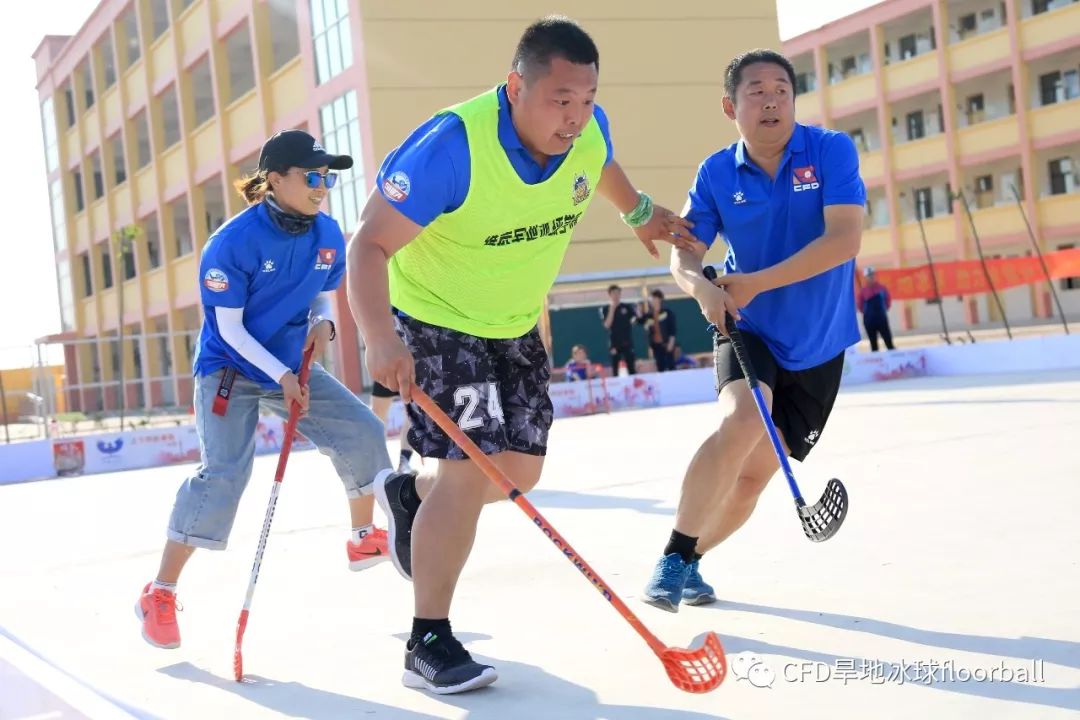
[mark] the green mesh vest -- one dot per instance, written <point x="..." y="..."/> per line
<point x="485" y="268"/>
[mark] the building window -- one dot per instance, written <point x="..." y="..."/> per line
<point x="67" y="301"/>
<point x="114" y="354"/>
<point x="76" y="180"/>
<point x="1038" y="7"/>
<point x="907" y="47"/>
<point x="331" y="34"/>
<point x="59" y="215"/>
<point x="1050" y="88"/>
<point x="1070" y="80"/>
<point x="48" y="131"/>
<point x="1062" y="177"/>
<point x="202" y="87"/>
<point x="88" y="84"/>
<point x="108" y="60"/>
<point x="848" y="66"/>
<point x="119" y="166"/>
<point x="805" y="83"/>
<point x="859" y="139"/>
<point x="181" y="219"/>
<point x="341" y="135"/>
<point x="924" y="203"/>
<point x="967" y="25"/>
<point x="142" y="140"/>
<point x="129" y="264"/>
<point x="241" y="62"/>
<point x="916" y="127"/>
<point x="159" y="14"/>
<point x="106" y="266"/>
<point x="128" y="256"/>
<point x="152" y="240"/>
<point x="99" y="178"/>
<point x="984" y="191"/>
<point x="286" y="32"/>
<point x="213" y="199"/>
<point x="170" y="115"/>
<point x="976" y="109"/>
<point x="132" y="46"/>
<point x="69" y="104"/>
<point x="88" y="275"/>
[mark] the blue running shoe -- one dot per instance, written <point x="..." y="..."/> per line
<point x="665" y="588"/>
<point x="697" y="591"/>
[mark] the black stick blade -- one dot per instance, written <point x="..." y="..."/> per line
<point x="821" y="521"/>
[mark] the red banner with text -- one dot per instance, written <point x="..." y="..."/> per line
<point x="966" y="277"/>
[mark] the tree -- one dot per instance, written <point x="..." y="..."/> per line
<point x="123" y="242"/>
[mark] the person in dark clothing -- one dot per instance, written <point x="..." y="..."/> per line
<point x="619" y="319"/>
<point x="874" y="304"/>
<point x="660" y="329"/>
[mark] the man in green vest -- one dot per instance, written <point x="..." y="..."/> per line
<point x="447" y="276"/>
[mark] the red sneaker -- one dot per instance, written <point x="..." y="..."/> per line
<point x="157" y="610"/>
<point x="373" y="549"/>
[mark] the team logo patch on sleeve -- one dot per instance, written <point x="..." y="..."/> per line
<point x="216" y="280"/>
<point x="326" y="258"/>
<point x="397" y="186"/>
<point x="804" y="179"/>
<point x="581" y="188"/>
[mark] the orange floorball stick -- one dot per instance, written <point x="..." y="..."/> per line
<point x="695" y="671"/>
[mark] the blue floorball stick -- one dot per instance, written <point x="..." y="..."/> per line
<point x="821" y="521"/>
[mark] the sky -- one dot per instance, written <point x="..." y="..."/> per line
<point x="28" y="301"/>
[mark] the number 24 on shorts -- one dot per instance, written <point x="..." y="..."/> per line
<point x="469" y="397"/>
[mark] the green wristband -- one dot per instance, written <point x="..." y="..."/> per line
<point x="642" y="213"/>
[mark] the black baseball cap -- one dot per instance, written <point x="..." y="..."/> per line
<point x="295" y="148"/>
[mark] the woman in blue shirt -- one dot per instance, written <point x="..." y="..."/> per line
<point x="267" y="276"/>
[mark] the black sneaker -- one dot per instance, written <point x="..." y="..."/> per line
<point x="443" y="666"/>
<point x="399" y="520"/>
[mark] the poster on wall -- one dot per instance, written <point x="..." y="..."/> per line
<point x="605" y="395"/>
<point x="862" y="368"/>
<point x="69" y="457"/>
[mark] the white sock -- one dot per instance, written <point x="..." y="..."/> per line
<point x="359" y="533"/>
<point x="158" y="585"/>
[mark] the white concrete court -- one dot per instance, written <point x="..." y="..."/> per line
<point x="961" y="545"/>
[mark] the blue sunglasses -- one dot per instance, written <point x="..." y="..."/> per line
<point x="314" y="177"/>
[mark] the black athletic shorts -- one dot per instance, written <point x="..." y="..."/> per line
<point x="380" y="390"/>
<point x="802" y="399"/>
<point x="496" y="390"/>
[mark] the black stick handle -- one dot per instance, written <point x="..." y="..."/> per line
<point x="736" y="337"/>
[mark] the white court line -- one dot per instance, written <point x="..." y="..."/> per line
<point x="62" y="685"/>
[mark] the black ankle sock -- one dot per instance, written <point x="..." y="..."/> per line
<point x="681" y="545"/>
<point x="422" y="626"/>
<point x="409" y="497"/>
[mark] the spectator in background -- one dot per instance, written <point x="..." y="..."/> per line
<point x="660" y="329"/>
<point x="579" y="367"/>
<point x="874" y="304"/>
<point x="619" y="319"/>
<point x="682" y="361"/>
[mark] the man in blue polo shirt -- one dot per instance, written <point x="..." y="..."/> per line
<point x="789" y="201"/>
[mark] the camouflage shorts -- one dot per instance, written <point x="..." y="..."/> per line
<point x="496" y="390"/>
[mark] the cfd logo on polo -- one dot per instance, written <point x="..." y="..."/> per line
<point x="804" y="179"/>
